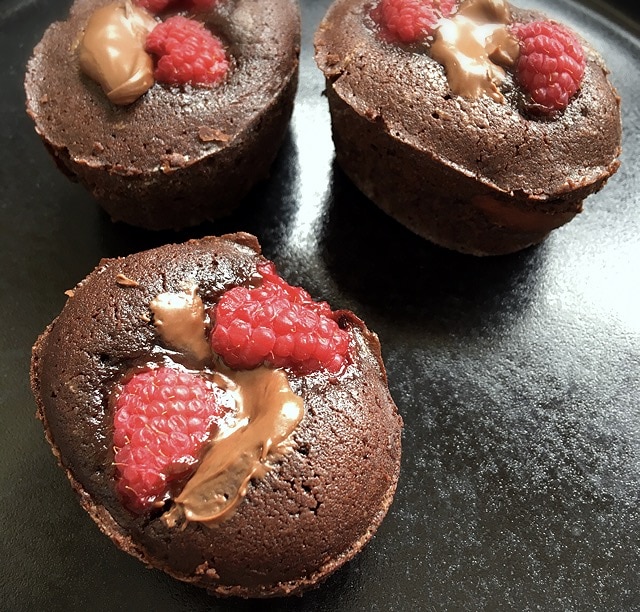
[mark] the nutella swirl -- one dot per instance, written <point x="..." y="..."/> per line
<point x="112" y="53"/>
<point x="473" y="45"/>
<point x="266" y="413"/>
<point x="180" y="321"/>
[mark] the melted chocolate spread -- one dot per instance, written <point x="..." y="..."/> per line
<point x="112" y="53"/>
<point x="267" y="412"/>
<point x="472" y="43"/>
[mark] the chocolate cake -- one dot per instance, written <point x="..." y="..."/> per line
<point x="300" y="458"/>
<point x="440" y="132"/>
<point x="164" y="156"/>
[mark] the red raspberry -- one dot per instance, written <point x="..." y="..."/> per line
<point x="551" y="63"/>
<point x="163" y="418"/>
<point x="159" y="6"/>
<point x="187" y="52"/>
<point x="410" y="21"/>
<point x="277" y="325"/>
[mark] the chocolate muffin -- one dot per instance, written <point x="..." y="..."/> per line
<point x="216" y="422"/>
<point x="462" y="121"/>
<point x="168" y="154"/>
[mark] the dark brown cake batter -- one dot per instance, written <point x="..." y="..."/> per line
<point x="176" y="156"/>
<point x="312" y="512"/>
<point x="469" y="173"/>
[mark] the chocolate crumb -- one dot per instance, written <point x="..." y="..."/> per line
<point x="209" y="134"/>
<point x="173" y="160"/>
<point x="123" y="281"/>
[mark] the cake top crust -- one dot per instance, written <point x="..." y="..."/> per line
<point x="495" y="141"/>
<point x="336" y="474"/>
<point x="170" y="124"/>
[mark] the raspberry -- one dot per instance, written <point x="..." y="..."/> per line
<point x="187" y="53"/>
<point x="159" y="6"/>
<point x="163" y="418"/>
<point x="279" y="325"/>
<point x="551" y="64"/>
<point x="411" y="21"/>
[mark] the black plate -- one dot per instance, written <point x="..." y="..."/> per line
<point x="518" y="377"/>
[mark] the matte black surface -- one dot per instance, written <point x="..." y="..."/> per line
<point x="518" y="377"/>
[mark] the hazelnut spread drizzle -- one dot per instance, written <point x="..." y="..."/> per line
<point x="112" y="53"/>
<point x="180" y="320"/>
<point x="267" y="413"/>
<point x="473" y="45"/>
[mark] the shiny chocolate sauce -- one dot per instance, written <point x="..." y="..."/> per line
<point x="473" y="46"/>
<point x="266" y="413"/>
<point x="112" y="52"/>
